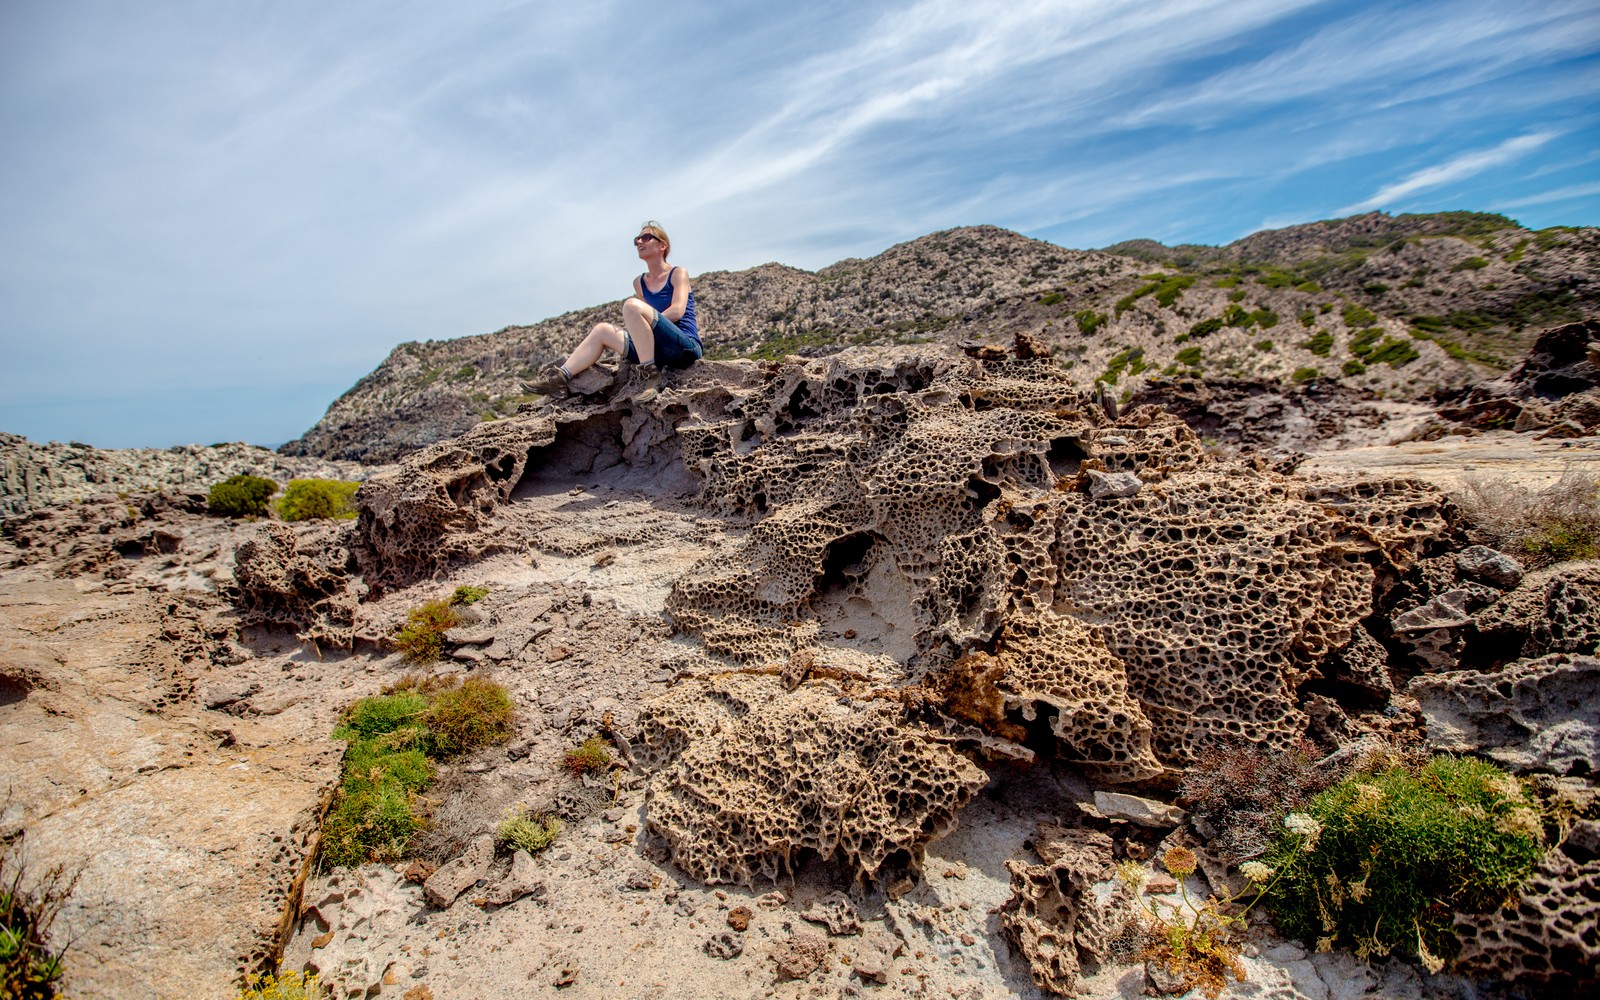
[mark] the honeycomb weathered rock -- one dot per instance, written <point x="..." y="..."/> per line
<point x="1055" y="917"/>
<point x="1551" y="936"/>
<point x="299" y="576"/>
<point x="765" y="777"/>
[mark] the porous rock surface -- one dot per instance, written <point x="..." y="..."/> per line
<point x="1549" y="937"/>
<point x="920" y="526"/>
<point x="1055" y="917"/>
<point x="1531" y="715"/>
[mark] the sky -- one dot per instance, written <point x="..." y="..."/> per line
<point x="217" y="215"/>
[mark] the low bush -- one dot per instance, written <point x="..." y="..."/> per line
<point x="475" y="713"/>
<point x="1188" y="356"/>
<point x="591" y="756"/>
<point x="521" y="831"/>
<point x="1242" y="789"/>
<point x="1263" y="345"/>
<point x="394" y="738"/>
<point x="1089" y="321"/>
<point x="1305" y="374"/>
<point x="1320" y="343"/>
<point x="1353" y="367"/>
<point x="1394" y="353"/>
<point x="468" y="595"/>
<point x="1395" y="854"/>
<point x="1051" y="299"/>
<point x="30" y="968"/>
<point x="1356" y="316"/>
<point x="308" y="499"/>
<point x="1556" y="524"/>
<point x="289" y="986"/>
<point x="240" y="496"/>
<point x="421" y="638"/>
<point x="1206" y="327"/>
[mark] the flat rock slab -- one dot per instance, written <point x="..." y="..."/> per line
<point x="187" y="827"/>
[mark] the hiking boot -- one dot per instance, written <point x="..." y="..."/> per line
<point x="552" y="381"/>
<point x="650" y="387"/>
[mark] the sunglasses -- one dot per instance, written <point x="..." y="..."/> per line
<point x="645" y="238"/>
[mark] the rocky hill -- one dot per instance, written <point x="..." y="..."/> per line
<point x="1393" y="307"/>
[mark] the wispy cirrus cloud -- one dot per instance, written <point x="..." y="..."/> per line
<point x="1454" y="169"/>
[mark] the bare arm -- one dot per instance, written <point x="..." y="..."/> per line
<point x="680" y="295"/>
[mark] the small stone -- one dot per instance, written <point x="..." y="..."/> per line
<point x="418" y="992"/>
<point x="767" y="901"/>
<point x="899" y="888"/>
<point x="724" y="945"/>
<point x="557" y="653"/>
<point x="739" y="918"/>
<point x="566" y="977"/>
<point x="322" y="940"/>
<point x="801" y="955"/>
<point x="1140" y="811"/>
<point x="1483" y="563"/>
<point x="1113" y="485"/>
<point x="1160" y="885"/>
<point x="836" y="912"/>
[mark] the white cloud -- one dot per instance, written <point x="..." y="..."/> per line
<point x="1465" y="165"/>
<point x="1569" y="193"/>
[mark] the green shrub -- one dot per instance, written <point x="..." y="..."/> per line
<point x="468" y="595"/>
<point x="394" y="738"/>
<point x="1397" y="853"/>
<point x="1362" y="343"/>
<point x="1320" y="344"/>
<point x="29" y="968"/>
<point x="1356" y="316"/>
<point x="1353" y="367"/>
<point x="421" y="639"/>
<point x="1130" y="360"/>
<point x="1264" y="318"/>
<point x="1235" y="315"/>
<point x="1226" y="282"/>
<point x="1206" y="327"/>
<point x="289" y="986"/>
<point x="591" y="756"/>
<point x="522" y="832"/>
<point x="1263" y="345"/>
<point x="1470" y="264"/>
<point x="305" y="499"/>
<point x="1308" y="286"/>
<point x="1237" y="296"/>
<point x="1054" y="298"/>
<point x="1188" y="356"/>
<point x="1305" y="374"/>
<point x="1166" y="289"/>
<point x="1089" y="321"/>
<point x="476" y="713"/>
<point x="1375" y="288"/>
<point x="240" y="496"/>
<point x="1392" y="352"/>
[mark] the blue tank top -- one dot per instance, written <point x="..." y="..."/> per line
<point x="660" y="300"/>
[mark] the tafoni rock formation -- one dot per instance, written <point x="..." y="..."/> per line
<point x="901" y="649"/>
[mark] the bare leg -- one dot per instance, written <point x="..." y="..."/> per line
<point x="602" y="336"/>
<point x="639" y="317"/>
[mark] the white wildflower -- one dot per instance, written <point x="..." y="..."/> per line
<point x="1256" y="872"/>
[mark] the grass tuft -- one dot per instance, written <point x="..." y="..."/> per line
<point x="1557" y="524"/>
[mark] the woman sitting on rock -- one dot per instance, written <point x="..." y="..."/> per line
<point x="658" y="325"/>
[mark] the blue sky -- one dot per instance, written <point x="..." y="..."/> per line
<point x="217" y="215"/>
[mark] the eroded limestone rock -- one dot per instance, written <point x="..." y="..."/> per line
<point x="757" y="776"/>
<point x="1532" y="715"/>
<point x="1055" y="918"/>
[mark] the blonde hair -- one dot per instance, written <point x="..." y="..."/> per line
<point x="652" y="226"/>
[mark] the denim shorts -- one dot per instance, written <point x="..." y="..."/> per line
<point x="674" y="348"/>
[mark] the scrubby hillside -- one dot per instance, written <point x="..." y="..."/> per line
<point x="1398" y="306"/>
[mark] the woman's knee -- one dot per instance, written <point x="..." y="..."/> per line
<point x="639" y="307"/>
